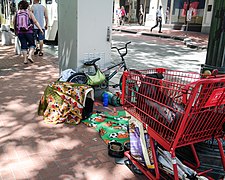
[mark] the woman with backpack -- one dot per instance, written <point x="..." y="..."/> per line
<point x="23" y="23"/>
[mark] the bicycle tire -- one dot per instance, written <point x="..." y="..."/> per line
<point x="78" y="78"/>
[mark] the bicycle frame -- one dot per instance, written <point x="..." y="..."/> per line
<point x="121" y="65"/>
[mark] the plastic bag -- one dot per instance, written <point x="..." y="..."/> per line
<point x="97" y="79"/>
<point x="66" y="74"/>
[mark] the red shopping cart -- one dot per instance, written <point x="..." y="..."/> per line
<point x="177" y="109"/>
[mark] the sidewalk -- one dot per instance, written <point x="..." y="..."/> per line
<point x="191" y="39"/>
<point x="31" y="149"/>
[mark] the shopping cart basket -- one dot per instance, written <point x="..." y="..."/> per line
<point x="177" y="109"/>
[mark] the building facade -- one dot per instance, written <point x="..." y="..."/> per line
<point x="195" y="15"/>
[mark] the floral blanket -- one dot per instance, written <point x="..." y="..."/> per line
<point x="64" y="102"/>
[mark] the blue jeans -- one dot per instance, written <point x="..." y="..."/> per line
<point x="26" y="41"/>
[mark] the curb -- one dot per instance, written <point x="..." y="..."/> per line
<point x="193" y="46"/>
<point x="123" y="30"/>
<point x="179" y="38"/>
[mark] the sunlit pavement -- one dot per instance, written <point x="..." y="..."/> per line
<point x="31" y="149"/>
<point x="195" y="40"/>
<point x="149" y="52"/>
<point x="191" y="39"/>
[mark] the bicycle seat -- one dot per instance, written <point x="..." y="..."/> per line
<point x="91" y="62"/>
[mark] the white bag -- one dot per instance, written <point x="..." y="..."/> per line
<point x="66" y="74"/>
<point x="17" y="46"/>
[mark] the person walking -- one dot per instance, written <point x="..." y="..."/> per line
<point x="40" y="14"/>
<point x="23" y="23"/>
<point x="123" y="14"/>
<point x="158" y="19"/>
<point x="141" y="15"/>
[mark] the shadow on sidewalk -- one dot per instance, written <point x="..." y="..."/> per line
<point x="30" y="149"/>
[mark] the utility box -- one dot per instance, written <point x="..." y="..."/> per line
<point x="84" y="32"/>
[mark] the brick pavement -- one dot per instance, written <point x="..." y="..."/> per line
<point x="31" y="149"/>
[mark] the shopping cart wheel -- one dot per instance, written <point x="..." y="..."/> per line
<point x="132" y="167"/>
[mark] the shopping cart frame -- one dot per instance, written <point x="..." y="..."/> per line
<point x="197" y="85"/>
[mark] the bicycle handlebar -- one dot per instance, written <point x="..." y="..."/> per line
<point x="93" y="61"/>
<point x="119" y="49"/>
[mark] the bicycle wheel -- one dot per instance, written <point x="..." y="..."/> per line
<point x="79" y="78"/>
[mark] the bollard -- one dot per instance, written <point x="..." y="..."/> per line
<point x="6" y="35"/>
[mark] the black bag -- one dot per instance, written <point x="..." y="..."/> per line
<point x="88" y="108"/>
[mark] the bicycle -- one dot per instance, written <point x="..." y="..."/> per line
<point x="100" y="78"/>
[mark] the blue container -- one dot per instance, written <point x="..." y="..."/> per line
<point x="113" y="99"/>
<point x="105" y="99"/>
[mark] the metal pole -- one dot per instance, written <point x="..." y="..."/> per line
<point x="223" y="60"/>
<point x="216" y="45"/>
<point x="186" y="29"/>
<point x="186" y="20"/>
<point x="144" y="12"/>
<point x="171" y="11"/>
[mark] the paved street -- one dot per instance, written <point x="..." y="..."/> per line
<point x="147" y="51"/>
<point x="197" y="39"/>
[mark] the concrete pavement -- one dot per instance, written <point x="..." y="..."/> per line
<point x="191" y="39"/>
